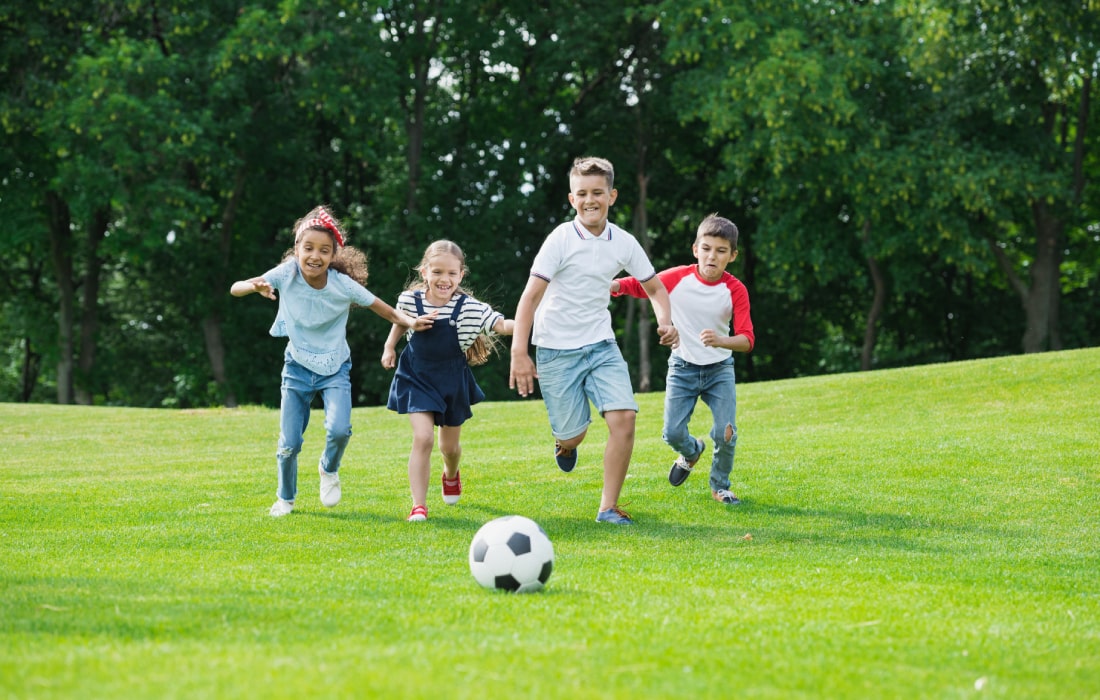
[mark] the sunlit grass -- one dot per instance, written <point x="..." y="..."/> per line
<point x="925" y="532"/>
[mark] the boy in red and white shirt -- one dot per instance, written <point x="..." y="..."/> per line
<point x="706" y="301"/>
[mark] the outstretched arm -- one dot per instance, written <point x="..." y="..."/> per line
<point x="504" y="326"/>
<point x="417" y="323"/>
<point x="243" y="288"/>
<point x="662" y="308"/>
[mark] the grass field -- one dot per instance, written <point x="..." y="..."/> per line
<point x="928" y="532"/>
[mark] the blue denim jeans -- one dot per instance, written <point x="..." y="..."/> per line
<point x="685" y="384"/>
<point x="299" y="387"/>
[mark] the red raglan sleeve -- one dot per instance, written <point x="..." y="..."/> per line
<point x="742" y="319"/>
<point x="629" y="286"/>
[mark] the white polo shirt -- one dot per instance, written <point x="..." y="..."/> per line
<point x="579" y="268"/>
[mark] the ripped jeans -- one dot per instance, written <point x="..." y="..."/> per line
<point x="299" y="387"/>
<point x="715" y="384"/>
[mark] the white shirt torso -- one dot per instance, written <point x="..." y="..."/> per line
<point x="579" y="268"/>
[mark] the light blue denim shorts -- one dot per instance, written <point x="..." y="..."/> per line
<point x="569" y="379"/>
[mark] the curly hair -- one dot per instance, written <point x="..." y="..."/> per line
<point x="349" y="260"/>
<point x="484" y="345"/>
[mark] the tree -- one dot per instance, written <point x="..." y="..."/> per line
<point x="1016" y="81"/>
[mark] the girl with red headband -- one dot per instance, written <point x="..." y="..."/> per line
<point x="318" y="282"/>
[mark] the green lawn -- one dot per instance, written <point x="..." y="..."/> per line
<point x="918" y="533"/>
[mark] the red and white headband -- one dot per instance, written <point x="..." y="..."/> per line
<point x="322" y="220"/>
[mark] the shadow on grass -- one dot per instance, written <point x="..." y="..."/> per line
<point x="751" y="524"/>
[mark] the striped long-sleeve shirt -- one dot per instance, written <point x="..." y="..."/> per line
<point x="475" y="317"/>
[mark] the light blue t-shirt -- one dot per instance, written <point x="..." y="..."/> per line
<point x="315" y="320"/>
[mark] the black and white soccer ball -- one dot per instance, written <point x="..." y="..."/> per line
<point x="512" y="553"/>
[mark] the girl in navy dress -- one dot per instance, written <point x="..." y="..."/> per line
<point x="433" y="383"/>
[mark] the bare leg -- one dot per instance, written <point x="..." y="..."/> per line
<point x="420" y="458"/>
<point x="451" y="449"/>
<point x="573" y="442"/>
<point x="616" y="457"/>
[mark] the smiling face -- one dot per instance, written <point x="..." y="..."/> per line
<point x="591" y="196"/>
<point x="314" y="252"/>
<point x="442" y="274"/>
<point x="714" y="253"/>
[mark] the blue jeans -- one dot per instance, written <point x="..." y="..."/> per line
<point x="299" y="387"/>
<point x="685" y="384"/>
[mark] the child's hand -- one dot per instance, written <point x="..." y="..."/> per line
<point x="670" y="337"/>
<point x="614" y="286"/>
<point x="522" y="374"/>
<point x="389" y="358"/>
<point x="257" y="284"/>
<point x="710" y="339"/>
<point x="261" y="286"/>
<point x="422" y="323"/>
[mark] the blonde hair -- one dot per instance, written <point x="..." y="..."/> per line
<point x="348" y="260"/>
<point x="484" y="345"/>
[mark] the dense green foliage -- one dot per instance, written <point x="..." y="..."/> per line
<point x="914" y="180"/>
<point x="911" y="533"/>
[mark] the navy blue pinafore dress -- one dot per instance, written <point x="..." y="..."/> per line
<point x="432" y="373"/>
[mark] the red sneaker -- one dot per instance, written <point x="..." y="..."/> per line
<point x="452" y="488"/>
<point x="418" y="514"/>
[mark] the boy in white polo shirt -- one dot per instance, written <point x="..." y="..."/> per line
<point x="705" y="300"/>
<point x="563" y="311"/>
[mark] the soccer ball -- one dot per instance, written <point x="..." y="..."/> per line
<point x="512" y="554"/>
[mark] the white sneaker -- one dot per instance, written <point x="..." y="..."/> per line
<point x="330" y="487"/>
<point x="281" y="508"/>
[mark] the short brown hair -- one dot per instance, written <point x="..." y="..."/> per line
<point x="719" y="227"/>
<point x="591" y="165"/>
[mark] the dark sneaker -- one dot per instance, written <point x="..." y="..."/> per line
<point x="681" y="468"/>
<point x="727" y="497"/>
<point x="614" y="515"/>
<point x="566" y="459"/>
<point x="452" y="489"/>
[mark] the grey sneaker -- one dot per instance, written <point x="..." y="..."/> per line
<point x="614" y="515"/>
<point x="681" y="468"/>
<point x="727" y="497"/>
<point x="281" y="508"/>
<point x="330" y="487"/>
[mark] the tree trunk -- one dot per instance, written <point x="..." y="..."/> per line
<point x="89" y="318"/>
<point x="61" y="240"/>
<point x="215" y="352"/>
<point x="645" y="342"/>
<point x="1042" y="298"/>
<point x="211" y="321"/>
<point x="31" y="362"/>
<point x="878" y="302"/>
<point x="414" y="130"/>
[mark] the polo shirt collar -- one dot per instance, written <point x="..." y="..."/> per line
<point x="584" y="234"/>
